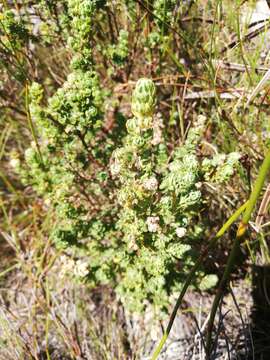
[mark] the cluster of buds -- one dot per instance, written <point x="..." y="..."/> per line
<point x="143" y="103"/>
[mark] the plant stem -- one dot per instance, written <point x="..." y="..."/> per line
<point x="192" y="273"/>
<point x="30" y="122"/>
<point x="242" y="228"/>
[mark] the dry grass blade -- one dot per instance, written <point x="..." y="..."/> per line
<point x="263" y="208"/>
<point x="258" y="88"/>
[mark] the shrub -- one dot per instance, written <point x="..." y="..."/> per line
<point x="137" y="222"/>
<point x="127" y="202"/>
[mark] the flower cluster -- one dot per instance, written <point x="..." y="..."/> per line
<point x="164" y="11"/>
<point x="69" y="267"/>
<point x="82" y="15"/>
<point x="66" y="166"/>
<point x="14" y="37"/>
<point x="118" y="53"/>
<point x="158" y="195"/>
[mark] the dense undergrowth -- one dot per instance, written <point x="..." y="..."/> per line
<point x="125" y="143"/>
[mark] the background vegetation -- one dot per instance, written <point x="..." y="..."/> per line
<point x="130" y="132"/>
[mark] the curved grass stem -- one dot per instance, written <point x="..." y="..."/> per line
<point x="192" y="273"/>
<point x="242" y="228"/>
<point x="30" y="122"/>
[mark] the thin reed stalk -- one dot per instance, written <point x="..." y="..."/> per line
<point x="240" y="235"/>
<point x="192" y="273"/>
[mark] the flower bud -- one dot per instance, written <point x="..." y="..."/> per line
<point x="132" y="126"/>
<point x="143" y="98"/>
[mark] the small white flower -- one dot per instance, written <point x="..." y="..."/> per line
<point x="150" y="184"/>
<point x="47" y="202"/>
<point x="181" y="232"/>
<point x="152" y="223"/>
<point x="157" y="130"/>
<point x="132" y="243"/>
<point x="69" y="129"/>
<point x="138" y="162"/>
<point x="81" y="268"/>
<point x="14" y="163"/>
<point x="198" y="185"/>
<point x="67" y="265"/>
<point x="28" y="154"/>
<point x="201" y="119"/>
<point x="115" y="168"/>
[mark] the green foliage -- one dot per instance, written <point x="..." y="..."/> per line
<point x="158" y="214"/>
<point x="127" y="195"/>
<point x="15" y="36"/>
<point x="14" y="30"/>
<point x="82" y="16"/>
<point x="221" y="167"/>
<point x="163" y="9"/>
<point x="137" y="237"/>
<point x="118" y="53"/>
